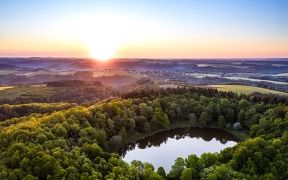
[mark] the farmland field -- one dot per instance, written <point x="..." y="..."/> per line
<point x="12" y="93"/>
<point x="6" y="87"/>
<point x="246" y="89"/>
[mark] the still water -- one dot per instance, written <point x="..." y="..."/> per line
<point x="163" y="148"/>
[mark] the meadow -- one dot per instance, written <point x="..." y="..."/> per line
<point x="12" y="93"/>
<point x="5" y="87"/>
<point x="247" y="90"/>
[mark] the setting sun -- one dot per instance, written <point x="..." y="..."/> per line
<point x="107" y="36"/>
<point x="100" y="38"/>
<point x="101" y="50"/>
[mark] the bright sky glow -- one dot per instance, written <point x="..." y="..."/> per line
<point x="152" y="29"/>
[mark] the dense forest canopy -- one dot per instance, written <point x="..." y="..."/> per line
<point x="77" y="142"/>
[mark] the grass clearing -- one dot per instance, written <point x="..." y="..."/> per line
<point x="6" y="87"/>
<point x="246" y="89"/>
<point x="26" y="91"/>
<point x="165" y="86"/>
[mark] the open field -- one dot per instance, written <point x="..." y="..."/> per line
<point x="246" y="89"/>
<point x="59" y="91"/>
<point x="5" y="87"/>
<point x="12" y="93"/>
<point x="165" y="86"/>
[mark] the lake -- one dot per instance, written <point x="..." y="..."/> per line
<point x="161" y="149"/>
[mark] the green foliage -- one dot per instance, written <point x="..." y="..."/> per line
<point x="177" y="169"/>
<point x="92" y="150"/>
<point x="160" y="119"/>
<point x="161" y="172"/>
<point x="8" y="111"/>
<point x="221" y="121"/>
<point x="204" y="118"/>
<point x="77" y="142"/>
<point x="188" y="174"/>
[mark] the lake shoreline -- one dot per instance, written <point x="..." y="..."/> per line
<point x="163" y="146"/>
<point x="240" y="135"/>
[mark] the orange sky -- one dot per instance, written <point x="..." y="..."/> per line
<point x="150" y="49"/>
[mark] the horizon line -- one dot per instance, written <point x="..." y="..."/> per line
<point x="142" y="58"/>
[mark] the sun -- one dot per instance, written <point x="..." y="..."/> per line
<point x="102" y="38"/>
<point x="101" y="50"/>
<point x="102" y="45"/>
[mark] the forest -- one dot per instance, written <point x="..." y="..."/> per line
<point x="69" y="141"/>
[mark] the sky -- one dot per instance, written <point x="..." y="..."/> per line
<point x="144" y="29"/>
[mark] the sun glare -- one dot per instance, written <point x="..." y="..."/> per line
<point x="101" y="50"/>
<point x="102" y="38"/>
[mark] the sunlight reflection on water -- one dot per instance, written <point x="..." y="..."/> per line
<point x="162" y="151"/>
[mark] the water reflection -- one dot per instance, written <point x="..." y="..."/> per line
<point x="163" y="148"/>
